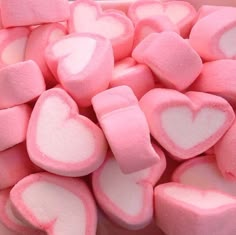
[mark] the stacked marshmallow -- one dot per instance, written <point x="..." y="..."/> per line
<point x="117" y="118"/>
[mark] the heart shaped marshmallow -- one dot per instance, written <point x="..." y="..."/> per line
<point x="60" y="140"/>
<point x="55" y="204"/>
<point x="181" y="13"/>
<point x="186" y="124"/>
<point x="76" y="60"/>
<point x="184" y="210"/>
<point x="127" y="198"/>
<point x="87" y="16"/>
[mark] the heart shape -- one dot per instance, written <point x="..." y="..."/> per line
<point x="186" y="124"/>
<point x="127" y="198"/>
<point x="180" y="209"/>
<point x="57" y="205"/>
<point x="60" y="140"/>
<point x="76" y="60"/>
<point x="180" y="13"/>
<point x="87" y="16"/>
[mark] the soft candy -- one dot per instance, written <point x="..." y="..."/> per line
<point x="180" y="209"/>
<point x="129" y="138"/>
<point x="14" y="123"/>
<point x="55" y="204"/>
<point x="213" y="36"/>
<point x="186" y="124"/>
<point x="87" y="16"/>
<point x="170" y="57"/>
<point x="31" y="12"/>
<point x="129" y="203"/>
<point x="60" y="140"/>
<point x="20" y="83"/>
<point x="76" y="60"/>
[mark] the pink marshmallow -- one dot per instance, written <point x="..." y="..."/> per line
<point x="20" y="83"/>
<point x="184" y="210"/>
<point x="127" y="198"/>
<point x="39" y="39"/>
<point x="203" y="173"/>
<point x="60" y="140"/>
<point x="57" y="205"/>
<point x="87" y="16"/>
<point x="120" y="117"/>
<point x="77" y="60"/>
<point x="13" y="42"/>
<point x="218" y="77"/>
<point x="171" y="58"/>
<point x="187" y="124"/>
<point x="14" y="123"/>
<point x="138" y="77"/>
<point x="14" y="165"/>
<point x="31" y="12"/>
<point x="225" y="153"/>
<point x="213" y="36"/>
<point x="180" y="13"/>
<point x="154" y="24"/>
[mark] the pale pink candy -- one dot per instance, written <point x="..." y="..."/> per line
<point x="225" y="152"/>
<point x="181" y="13"/>
<point x="170" y="57"/>
<point x="187" y="124"/>
<point x="127" y="198"/>
<point x="14" y="123"/>
<point x="60" y="140"/>
<point x="55" y="204"/>
<point x="213" y="37"/>
<point x="87" y="16"/>
<point x="13" y="42"/>
<point x="5" y="231"/>
<point x="8" y="218"/>
<point x="77" y="60"/>
<point x="153" y="24"/>
<point x="14" y="165"/>
<point x="185" y="210"/>
<point x="138" y="77"/>
<point x="31" y="12"/>
<point x="126" y="128"/>
<point x="38" y="40"/>
<point x="203" y="173"/>
<point x="20" y="83"/>
<point x="218" y="77"/>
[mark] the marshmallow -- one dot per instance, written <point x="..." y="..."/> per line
<point x="213" y="36"/>
<point x="218" y="77"/>
<point x="20" y="83"/>
<point x="87" y="16"/>
<point x="57" y="205"/>
<point x="129" y="203"/>
<point x="171" y="58"/>
<point x="39" y="39"/>
<point x="120" y="117"/>
<point x="77" y="60"/>
<point x="60" y="140"/>
<point x="180" y="209"/>
<point x="187" y="124"/>
<point x="31" y="12"/>
<point x="14" y="123"/>
<point x="138" y="77"/>
<point x="13" y="42"/>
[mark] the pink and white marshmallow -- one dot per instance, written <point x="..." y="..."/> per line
<point x="60" y="140"/>
<point x="186" y="125"/>
<point x="30" y="12"/>
<point x="55" y="204"/>
<point x="76" y="60"/>
<point x="126" y="128"/>
<point x="170" y="58"/>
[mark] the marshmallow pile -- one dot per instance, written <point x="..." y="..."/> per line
<point x="117" y="118"/>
